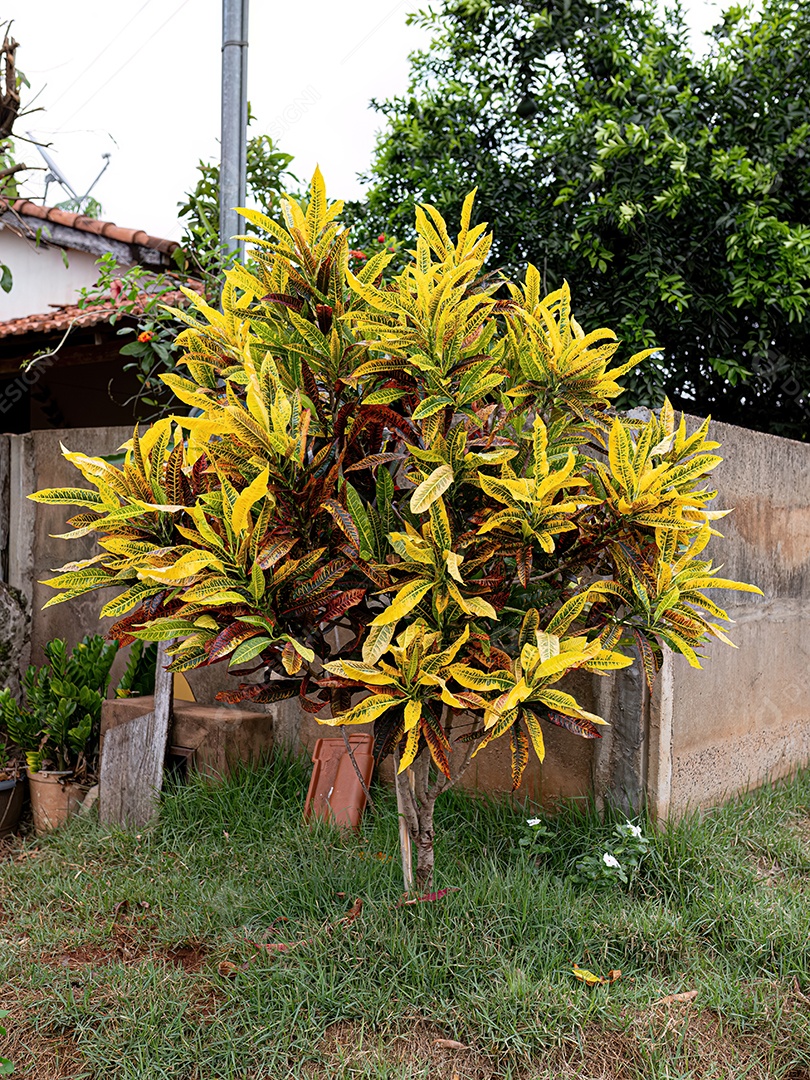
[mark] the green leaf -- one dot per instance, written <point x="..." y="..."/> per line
<point x="250" y="649"/>
<point x="430" y="406"/>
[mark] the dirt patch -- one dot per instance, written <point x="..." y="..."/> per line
<point x="350" y="1046"/>
<point x="35" y="1053"/>
<point x="802" y="829"/>
<point x="769" y="871"/>
<point x="191" y="957"/>
<point x="695" y="1042"/>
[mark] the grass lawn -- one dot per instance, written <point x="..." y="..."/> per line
<point x="129" y="956"/>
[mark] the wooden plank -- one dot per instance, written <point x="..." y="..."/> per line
<point x="132" y="762"/>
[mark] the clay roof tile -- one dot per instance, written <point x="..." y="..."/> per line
<point x="90" y="225"/>
<point x="61" y="318"/>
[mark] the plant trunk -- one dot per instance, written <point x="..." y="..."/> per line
<point x="416" y="799"/>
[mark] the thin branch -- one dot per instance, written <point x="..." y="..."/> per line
<point x="356" y="768"/>
<point x="13" y="169"/>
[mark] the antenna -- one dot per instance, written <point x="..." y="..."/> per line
<point x="55" y="175"/>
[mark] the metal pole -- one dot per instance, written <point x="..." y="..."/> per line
<point x="233" y="162"/>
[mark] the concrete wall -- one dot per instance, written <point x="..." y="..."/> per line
<point x="703" y="736"/>
<point x="746" y="716"/>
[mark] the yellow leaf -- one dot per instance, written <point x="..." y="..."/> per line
<point x="351" y="669"/>
<point x="186" y="567"/>
<point x="478" y="606"/>
<point x="405" y="600"/>
<point x="590" y="979"/>
<point x="453" y="561"/>
<point x="411" y="746"/>
<point x="247" y="499"/>
<point x="535" y="734"/>
<point x="431" y="489"/>
<point x="413" y="710"/>
<point x="377" y="641"/>
<point x="620" y="455"/>
<point x="368" y="709"/>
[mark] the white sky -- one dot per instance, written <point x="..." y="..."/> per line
<point x="141" y="80"/>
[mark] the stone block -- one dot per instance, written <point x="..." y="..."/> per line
<point x="215" y="737"/>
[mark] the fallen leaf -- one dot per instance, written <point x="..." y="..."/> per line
<point x="449" y="1044"/>
<point x="229" y="970"/>
<point x="352" y="913"/>
<point x="31" y="853"/>
<point x="590" y="979"/>
<point x="429" y="897"/>
<point x="671" y="999"/>
<point x="281" y="946"/>
<point x="797" y="990"/>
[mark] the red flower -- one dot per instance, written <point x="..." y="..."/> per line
<point x="147" y="335"/>
<point x="381" y="238"/>
<point x="358" y="254"/>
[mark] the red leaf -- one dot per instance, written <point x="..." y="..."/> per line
<point x="586" y="728"/>
<point x="373" y="460"/>
<point x="310" y="706"/>
<point x="343" y="519"/>
<point x="228" y="638"/>
<point x="429" y="897"/>
<point x="341" y="602"/>
<point x="292" y="302"/>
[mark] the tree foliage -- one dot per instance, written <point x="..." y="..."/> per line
<point x="267" y="176"/>
<point x="673" y="189"/>
<point x="407" y="487"/>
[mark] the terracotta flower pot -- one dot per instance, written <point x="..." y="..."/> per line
<point x="55" y="797"/>
<point x="12" y="794"/>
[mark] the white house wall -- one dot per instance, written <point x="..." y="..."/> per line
<point x="40" y="277"/>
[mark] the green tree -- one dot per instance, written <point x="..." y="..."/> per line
<point x="673" y="189"/>
<point x="267" y="175"/>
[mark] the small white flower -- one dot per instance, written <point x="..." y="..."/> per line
<point x="610" y="860"/>
<point x="635" y="830"/>
<point x="532" y="821"/>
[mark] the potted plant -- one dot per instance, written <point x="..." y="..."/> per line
<point x="58" y="728"/>
<point x="12" y="777"/>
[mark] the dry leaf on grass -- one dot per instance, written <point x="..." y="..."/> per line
<point x="428" y="897"/>
<point x="228" y="970"/>
<point x="590" y="979"/>
<point x="449" y="1044"/>
<point x="671" y="999"/>
<point x="287" y="946"/>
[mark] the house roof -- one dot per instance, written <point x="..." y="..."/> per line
<point x="23" y="208"/>
<point x="65" y="316"/>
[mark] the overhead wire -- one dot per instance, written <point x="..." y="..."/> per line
<point x="126" y="63"/>
<point x="99" y="55"/>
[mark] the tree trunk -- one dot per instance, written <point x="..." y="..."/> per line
<point x="416" y="799"/>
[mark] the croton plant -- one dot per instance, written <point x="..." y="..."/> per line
<point x="405" y="500"/>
